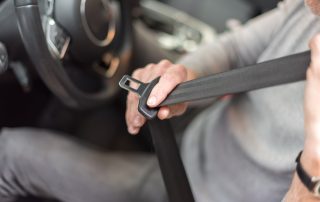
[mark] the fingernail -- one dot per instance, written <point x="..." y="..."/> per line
<point x="137" y="121"/>
<point x="152" y="101"/>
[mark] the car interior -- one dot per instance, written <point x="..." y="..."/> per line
<point x="60" y="64"/>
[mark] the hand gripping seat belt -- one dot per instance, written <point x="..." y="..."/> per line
<point x="271" y="73"/>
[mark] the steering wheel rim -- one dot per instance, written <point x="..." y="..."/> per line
<point x="52" y="71"/>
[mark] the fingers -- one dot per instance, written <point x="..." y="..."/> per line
<point x="169" y="80"/>
<point x="171" y="76"/>
<point x="168" y="112"/>
<point x="133" y="118"/>
<point x="154" y="71"/>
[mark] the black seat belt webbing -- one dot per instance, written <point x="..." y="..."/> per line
<point x="275" y="72"/>
<point x="173" y="172"/>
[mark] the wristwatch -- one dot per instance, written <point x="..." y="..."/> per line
<point x="312" y="183"/>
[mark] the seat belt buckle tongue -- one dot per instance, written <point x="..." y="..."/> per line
<point x="143" y="90"/>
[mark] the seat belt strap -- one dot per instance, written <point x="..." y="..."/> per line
<point x="173" y="172"/>
<point x="275" y="72"/>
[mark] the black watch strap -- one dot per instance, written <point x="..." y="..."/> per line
<point x="304" y="176"/>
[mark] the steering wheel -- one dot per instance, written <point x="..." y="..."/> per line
<point x="87" y="30"/>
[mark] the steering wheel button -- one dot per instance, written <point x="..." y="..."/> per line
<point x="57" y="39"/>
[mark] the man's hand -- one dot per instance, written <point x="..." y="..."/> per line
<point x="171" y="76"/>
<point x="311" y="155"/>
<point x="310" y="158"/>
<point x="312" y="99"/>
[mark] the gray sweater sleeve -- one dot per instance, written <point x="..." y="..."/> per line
<point x="239" y="47"/>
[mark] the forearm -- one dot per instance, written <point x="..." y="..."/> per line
<point x="239" y="47"/>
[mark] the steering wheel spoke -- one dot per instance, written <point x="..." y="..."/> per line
<point x="57" y="39"/>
